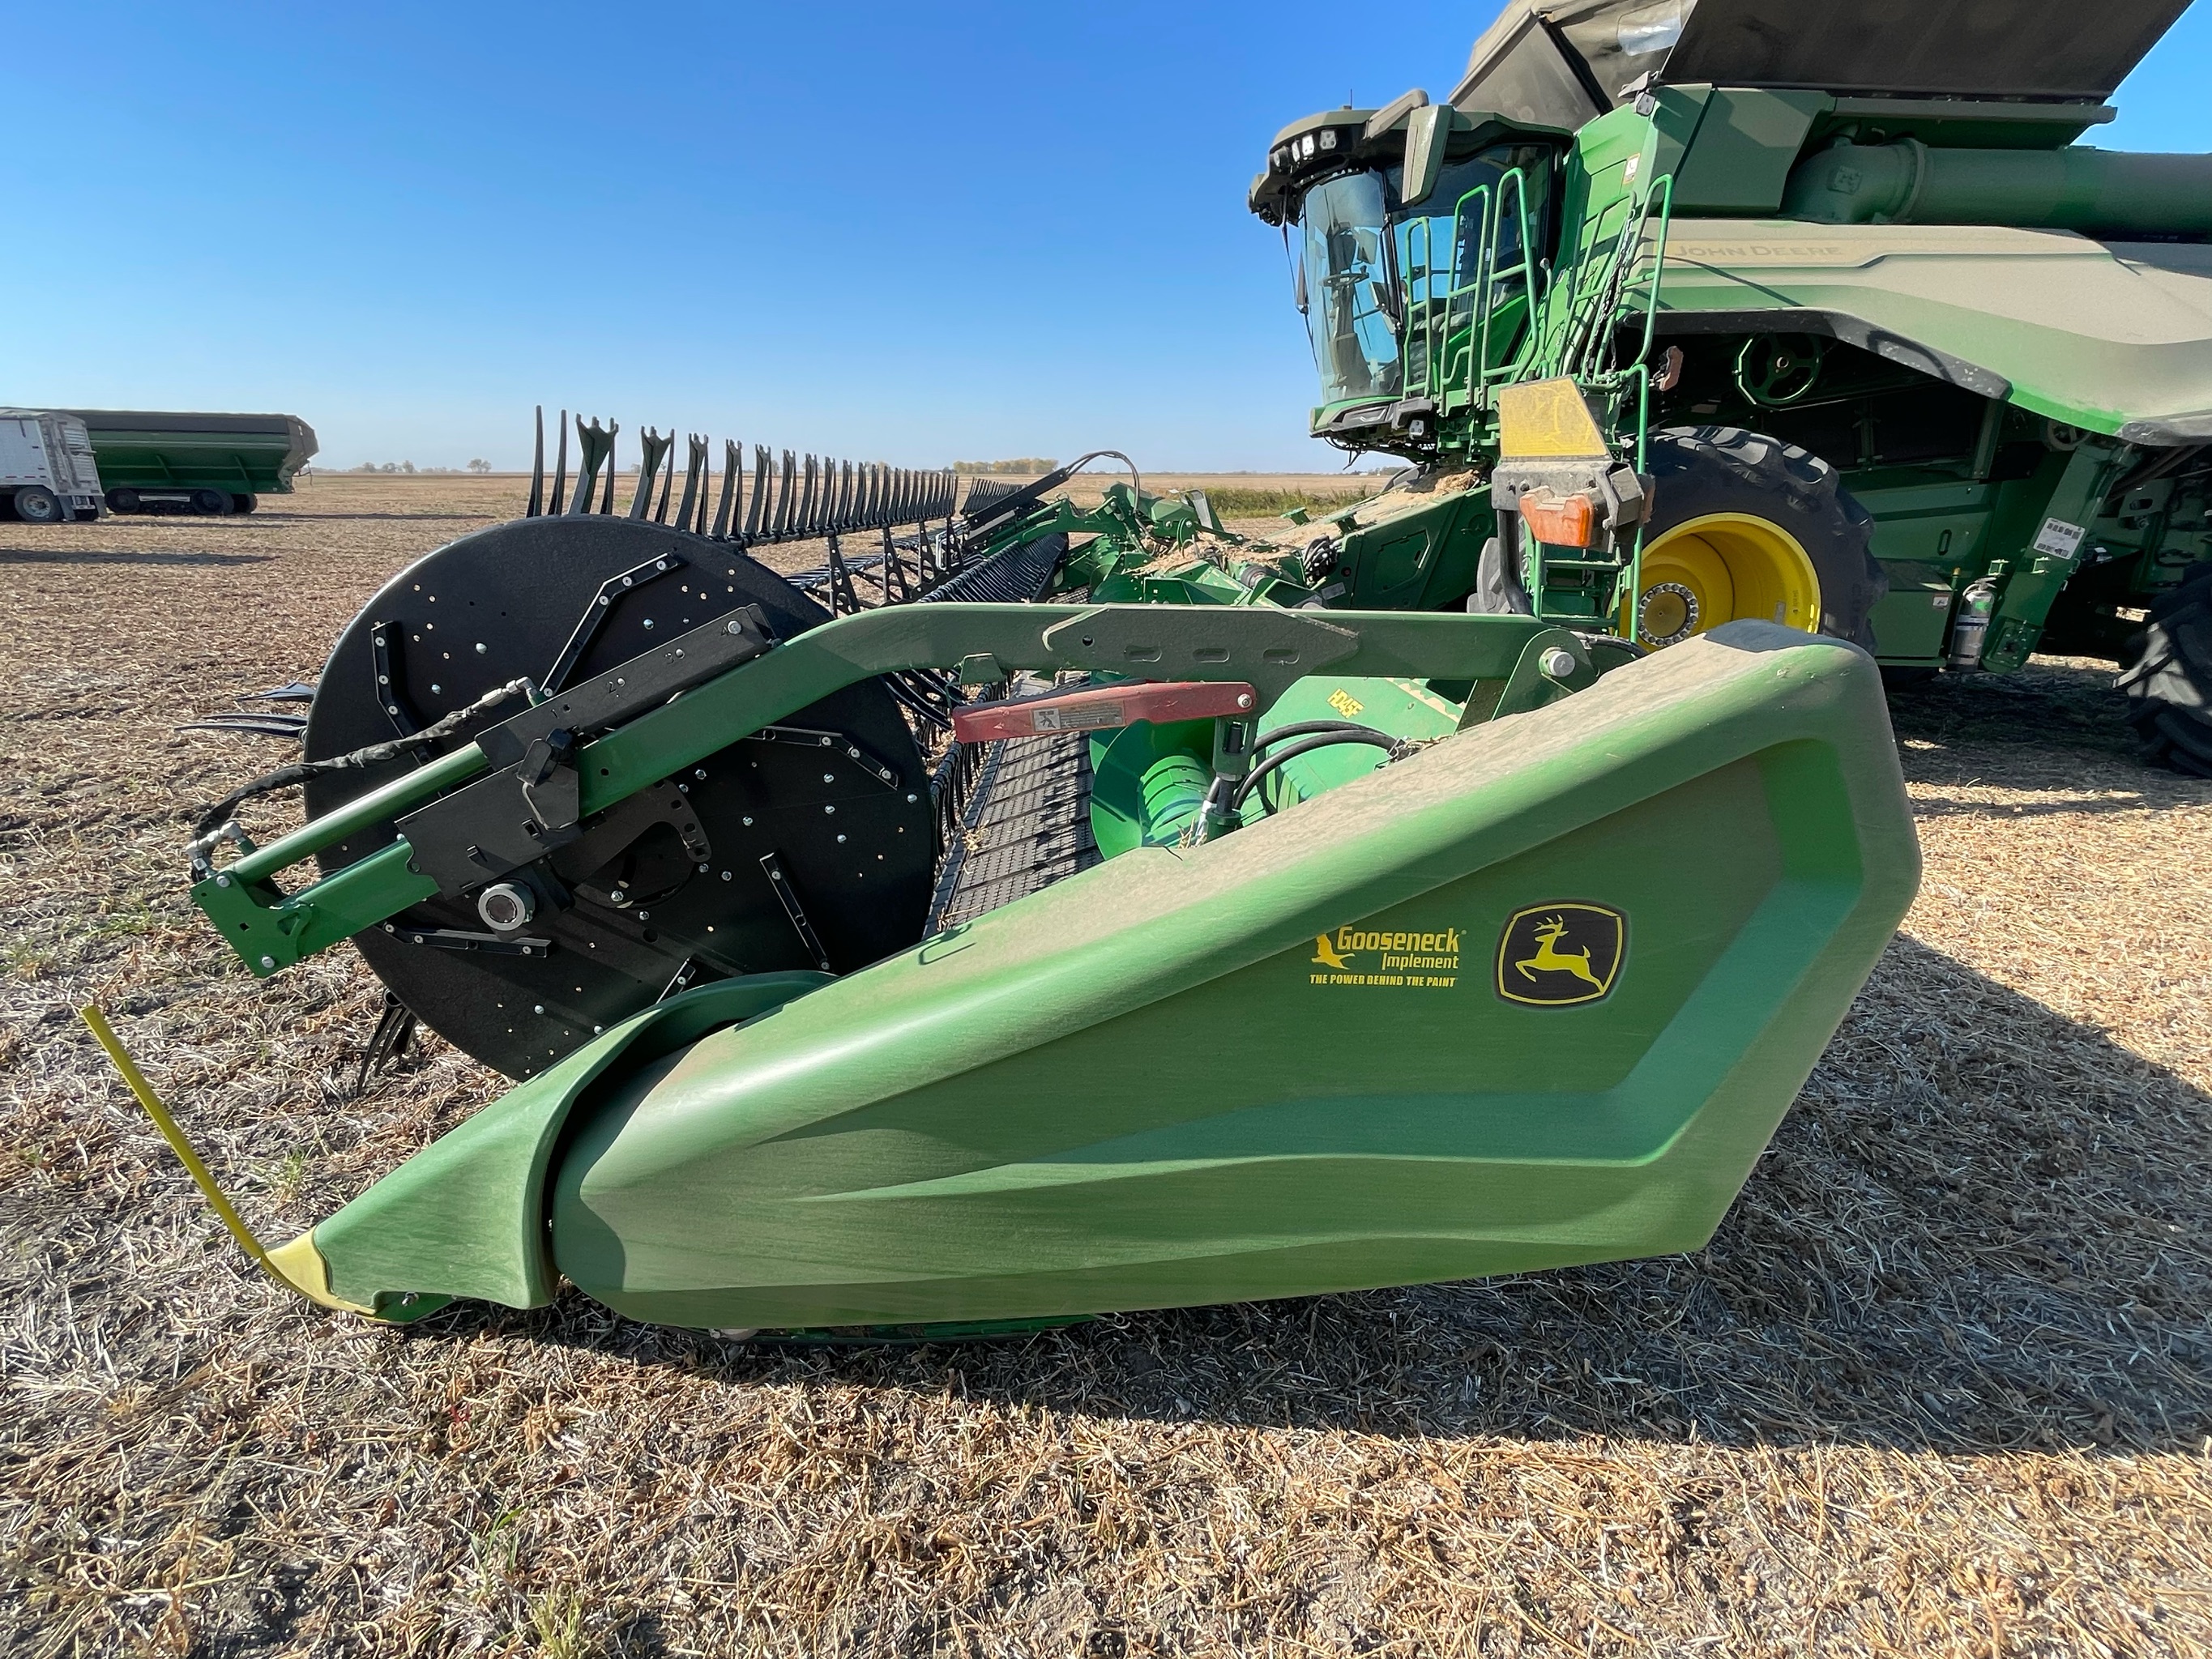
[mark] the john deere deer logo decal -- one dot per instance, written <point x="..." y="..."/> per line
<point x="1551" y="955"/>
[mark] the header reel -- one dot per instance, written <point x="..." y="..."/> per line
<point x="809" y="845"/>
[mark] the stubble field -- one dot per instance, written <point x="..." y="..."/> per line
<point x="1941" y="1385"/>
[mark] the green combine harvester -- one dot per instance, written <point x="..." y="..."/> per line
<point x="1899" y="359"/>
<point x="1042" y="908"/>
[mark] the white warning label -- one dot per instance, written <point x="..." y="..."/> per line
<point x="2059" y="537"/>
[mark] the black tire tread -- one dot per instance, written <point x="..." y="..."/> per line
<point x="2165" y="675"/>
<point x="1791" y="486"/>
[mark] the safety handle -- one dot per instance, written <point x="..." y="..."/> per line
<point x="1103" y="708"/>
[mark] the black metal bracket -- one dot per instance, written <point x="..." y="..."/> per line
<point x="631" y="689"/>
<point x="620" y="826"/>
<point x="390" y="696"/>
<point x="530" y="806"/>
<point x="595" y="614"/>
<point x="804" y="738"/>
<point x="781" y="883"/>
<point x="455" y="938"/>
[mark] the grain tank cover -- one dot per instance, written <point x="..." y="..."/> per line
<point x="2057" y="49"/>
<point x="1561" y="62"/>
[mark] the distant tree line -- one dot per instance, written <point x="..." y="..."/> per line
<point x="1020" y="464"/>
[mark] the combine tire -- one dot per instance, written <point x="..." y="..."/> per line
<point x="2166" y="674"/>
<point x="240" y="503"/>
<point x="122" y="501"/>
<point x="1747" y="526"/>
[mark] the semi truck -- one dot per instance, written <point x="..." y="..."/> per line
<point x="48" y="473"/>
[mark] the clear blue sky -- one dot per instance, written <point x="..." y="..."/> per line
<point x="913" y="232"/>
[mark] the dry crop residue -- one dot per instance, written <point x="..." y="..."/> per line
<point x="1941" y="1384"/>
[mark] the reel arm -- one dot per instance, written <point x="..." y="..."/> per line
<point x="639" y="748"/>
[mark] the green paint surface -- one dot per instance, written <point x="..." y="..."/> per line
<point x="1177" y="1078"/>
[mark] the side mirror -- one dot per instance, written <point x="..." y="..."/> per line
<point x="1426" y="130"/>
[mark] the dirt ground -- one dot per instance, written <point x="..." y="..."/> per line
<point x="1941" y="1385"/>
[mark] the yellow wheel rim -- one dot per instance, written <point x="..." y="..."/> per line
<point x="1724" y="567"/>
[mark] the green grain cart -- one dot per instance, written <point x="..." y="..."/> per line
<point x="1880" y="346"/>
<point x="167" y="461"/>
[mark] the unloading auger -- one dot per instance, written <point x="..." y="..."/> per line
<point x="949" y="963"/>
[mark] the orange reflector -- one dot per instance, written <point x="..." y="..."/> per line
<point x="1102" y="709"/>
<point x="1559" y="520"/>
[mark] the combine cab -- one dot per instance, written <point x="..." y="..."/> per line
<point x="1897" y="357"/>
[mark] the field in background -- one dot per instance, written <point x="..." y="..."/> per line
<point x="1941" y="1385"/>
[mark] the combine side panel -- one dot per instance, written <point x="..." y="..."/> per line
<point x="2114" y="338"/>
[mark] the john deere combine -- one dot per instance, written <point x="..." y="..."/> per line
<point x="1899" y="357"/>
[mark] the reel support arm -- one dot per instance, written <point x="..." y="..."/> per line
<point x="1266" y="648"/>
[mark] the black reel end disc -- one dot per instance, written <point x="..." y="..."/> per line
<point x="811" y="845"/>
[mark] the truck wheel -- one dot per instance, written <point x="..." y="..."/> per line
<point x="122" y="501"/>
<point x="2166" y="673"/>
<point x="210" y="500"/>
<point x="35" y="504"/>
<point x="243" y="503"/>
<point x="1746" y="526"/>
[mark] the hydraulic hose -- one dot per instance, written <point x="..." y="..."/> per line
<point x="1331" y="732"/>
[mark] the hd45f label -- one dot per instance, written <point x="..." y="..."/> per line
<point x="1554" y="955"/>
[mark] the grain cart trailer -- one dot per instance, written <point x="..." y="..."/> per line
<point x="167" y="461"/>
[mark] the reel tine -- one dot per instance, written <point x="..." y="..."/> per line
<point x="694" y="465"/>
<point x="607" y="490"/>
<point x="783" y="496"/>
<point x="561" y="465"/>
<point x="754" y="508"/>
<point x="667" y="471"/>
<point x="733" y="474"/>
<point x="588" y="463"/>
<point x="651" y="447"/>
<point x="810" y="507"/>
<point x="537" y="466"/>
